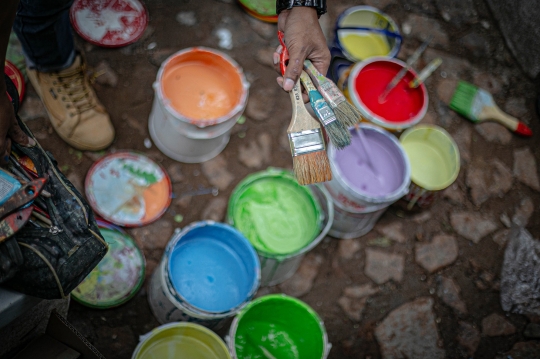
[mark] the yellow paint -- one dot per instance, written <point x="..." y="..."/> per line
<point x="362" y="45"/>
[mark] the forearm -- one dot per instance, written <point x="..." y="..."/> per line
<point x="7" y="15"/>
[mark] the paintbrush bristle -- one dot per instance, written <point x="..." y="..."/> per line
<point x="312" y="168"/>
<point x="347" y="114"/>
<point x="339" y="134"/>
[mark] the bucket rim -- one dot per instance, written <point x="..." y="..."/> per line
<point x="238" y="108"/>
<point x="392" y="197"/>
<point x="325" y="227"/>
<point x="181" y="302"/>
<point x="370" y="115"/>
<point x="164" y="327"/>
<point x="455" y="147"/>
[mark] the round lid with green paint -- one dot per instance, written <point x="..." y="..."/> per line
<point x="275" y="213"/>
<point x="117" y="277"/>
<point x="261" y="7"/>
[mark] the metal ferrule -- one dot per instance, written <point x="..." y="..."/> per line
<point x="306" y="142"/>
<point x="324" y="112"/>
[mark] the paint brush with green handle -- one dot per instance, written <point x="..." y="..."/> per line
<point x="339" y="134"/>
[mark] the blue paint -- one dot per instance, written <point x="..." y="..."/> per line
<point x="214" y="267"/>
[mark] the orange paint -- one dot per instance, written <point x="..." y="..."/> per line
<point x="156" y="197"/>
<point x="201" y="85"/>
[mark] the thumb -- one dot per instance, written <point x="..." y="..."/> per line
<point x="18" y="136"/>
<point x="294" y="69"/>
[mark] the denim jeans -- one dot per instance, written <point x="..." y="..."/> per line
<point x="44" y="30"/>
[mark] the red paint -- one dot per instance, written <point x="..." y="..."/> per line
<point x="401" y="105"/>
<point x="523" y="130"/>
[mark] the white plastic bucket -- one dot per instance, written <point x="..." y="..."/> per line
<point x="187" y="139"/>
<point x="349" y="224"/>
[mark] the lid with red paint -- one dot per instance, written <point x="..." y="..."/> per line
<point x="109" y="23"/>
<point x="16" y="76"/>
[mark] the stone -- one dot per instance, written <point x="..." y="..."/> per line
<point x="264" y="56"/>
<point x="175" y="173"/>
<point x="260" y="104"/>
<point x="265" y="30"/>
<point x="302" y="281"/>
<point x="186" y="18"/>
<point x="393" y="231"/>
<point x="517" y="107"/>
<point x="410" y="331"/>
<point x="457" y="12"/>
<point x="471" y="225"/>
<point x="525" y="168"/>
<point x="468" y="338"/>
<point x="494" y="132"/>
<point x="488" y="179"/>
<point x="430" y="118"/>
<point x="532" y="330"/>
<point x="382" y="266"/>
<point x="488" y="82"/>
<point x="422" y="217"/>
<point x="452" y="66"/>
<point x="348" y="247"/>
<point x="256" y="153"/>
<point x="475" y="44"/>
<point x="119" y="341"/>
<point x="441" y="252"/>
<point x="520" y="274"/>
<point x="105" y="75"/>
<point x="215" y="210"/>
<point x="524" y="212"/>
<point x="505" y="220"/>
<point x="76" y="180"/>
<point x="501" y="237"/>
<point x="380" y="4"/>
<point x="495" y="325"/>
<point x="454" y="194"/>
<point x="463" y="138"/>
<point x="353" y="308"/>
<point x="422" y="26"/>
<point x="153" y="236"/>
<point x="448" y="291"/>
<point x="216" y="172"/>
<point x="446" y="88"/>
<point x="360" y="291"/>
<point x="522" y="350"/>
<point x="32" y="108"/>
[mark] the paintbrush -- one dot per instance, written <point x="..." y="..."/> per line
<point x="412" y="59"/>
<point x="425" y="73"/>
<point x="346" y="113"/>
<point x="338" y="133"/>
<point x="478" y="105"/>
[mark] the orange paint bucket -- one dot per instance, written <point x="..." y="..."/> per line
<point x="199" y="95"/>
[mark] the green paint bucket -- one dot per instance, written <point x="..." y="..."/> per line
<point x="278" y="326"/>
<point x="181" y="340"/>
<point x="282" y="220"/>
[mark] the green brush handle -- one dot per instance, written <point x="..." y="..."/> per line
<point x="318" y="104"/>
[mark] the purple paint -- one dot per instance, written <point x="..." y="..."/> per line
<point x="378" y="176"/>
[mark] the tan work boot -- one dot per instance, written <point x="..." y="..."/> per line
<point x="75" y="112"/>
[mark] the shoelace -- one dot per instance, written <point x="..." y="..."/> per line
<point x="76" y="89"/>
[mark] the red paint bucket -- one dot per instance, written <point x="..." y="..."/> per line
<point x="403" y="107"/>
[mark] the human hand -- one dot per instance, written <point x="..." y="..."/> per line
<point x="304" y="40"/>
<point x="9" y="129"/>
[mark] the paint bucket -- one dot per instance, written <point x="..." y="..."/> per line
<point x="361" y="193"/>
<point x="404" y="107"/>
<point x="199" y="95"/>
<point x="281" y="219"/>
<point x="117" y="277"/>
<point x="264" y="10"/>
<point x="209" y="272"/>
<point x="435" y="162"/>
<point x="278" y="326"/>
<point x="181" y="340"/>
<point x="362" y="32"/>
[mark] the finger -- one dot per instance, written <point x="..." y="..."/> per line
<point x="17" y="135"/>
<point x="275" y="59"/>
<point x="320" y="58"/>
<point x="293" y="71"/>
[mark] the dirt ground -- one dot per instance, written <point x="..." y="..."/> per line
<point x="472" y="49"/>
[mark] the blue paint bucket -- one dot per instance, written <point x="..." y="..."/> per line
<point x="208" y="273"/>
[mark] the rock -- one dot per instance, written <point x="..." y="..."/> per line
<point x="32" y="108"/>
<point x="422" y="26"/>
<point x="380" y="4"/>
<point x="448" y="291"/>
<point x="302" y="281"/>
<point x="157" y="56"/>
<point x="488" y="179"/>
<point x="215" y="210"/>
<point x="442" y="251"/>
<point x="360" y="291"/>
<point x="520" y="274"/>
<point x="501" y="237"/>
<point x="522" y="350"/>
<point x="525" y="168"/>
<point x="524" y="212"/>
<point x="452" y="67"/>
<point x="475" y="44"/>
<point x="532" y="330"/>
<point x="463" y="138"/>
<point x="421" y="218"/>
<point x="265" y="30"/>
<point x="430" y="118"/>
<point x="175" y="173"/>
<point x="495" y="325"/>
<point x="264" y="56"/>
<point x="153" y="236"/>
<point x="457" y="12"/>
<point x="184" y="201"/>
<point x="446" y="88"/>
<point x="471" y="225"/>
<point x="216" y="172"/>
<point x="468" y="338"/>
<point x="382" y="266"/>
<point x="505" y="220"/>
<point x="393" y="231"/>
<point x="353" y="308"/>
<point x="487" y="81"/>
<point x="186" y="18"/>
<point x="410" y="332"/>
<point x="517" y="107"/>
<point x="105" y="75"/>
<point x="77" y="181"/>
<point x="348" y="247"/>
<point x="455" y="194"/>
<point x="260" y="104"/>
<point x="494" y="132"/>
<point x="119" y="341"/>
<point x="256" y="153"/>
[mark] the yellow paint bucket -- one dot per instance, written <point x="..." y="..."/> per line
<point x="434" y="159"/>
<point x="181" y="340"/>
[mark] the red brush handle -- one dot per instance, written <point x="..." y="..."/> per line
<point x="284" y="56"/>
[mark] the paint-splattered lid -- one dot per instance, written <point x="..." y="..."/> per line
<point x="16" y="76"/>
<point x="117" y="278"/>
<point x="260" y="7"/>
<point x="128" y="189"/>
<point x="109" y="23"/>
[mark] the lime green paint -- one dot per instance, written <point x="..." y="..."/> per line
<point x="363" y="45"/>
